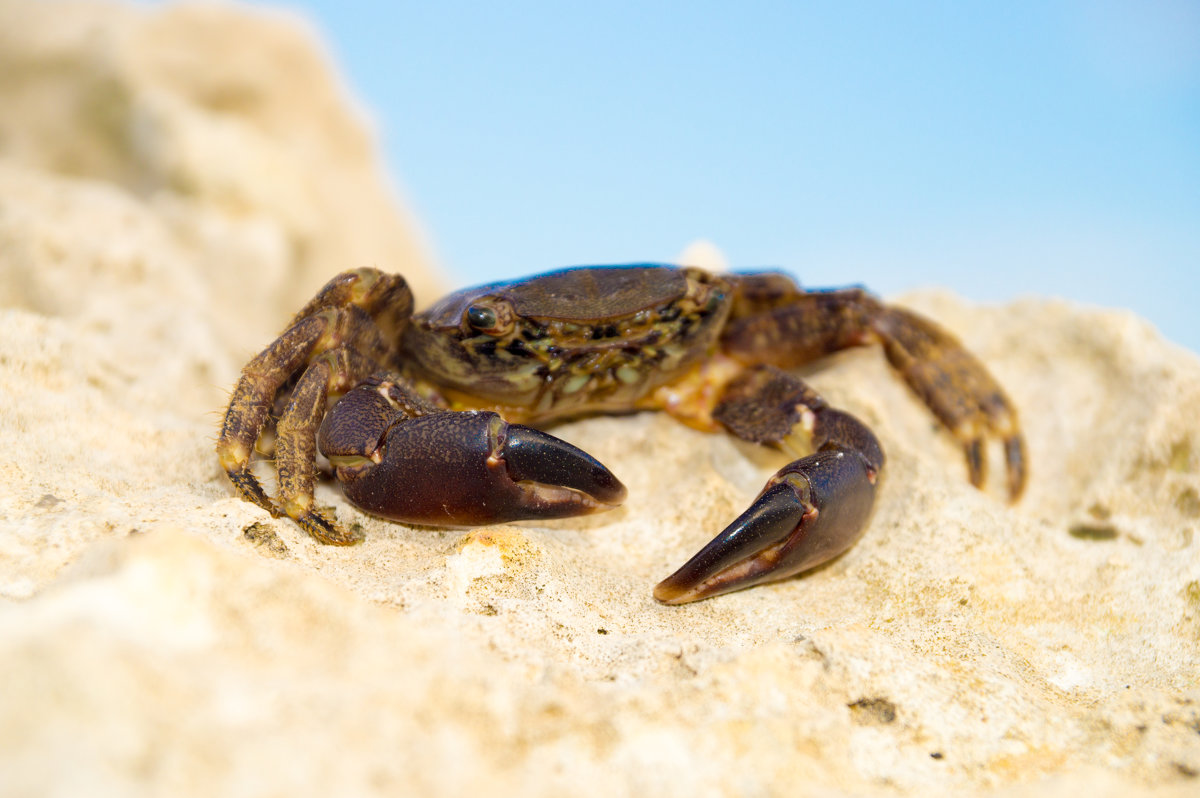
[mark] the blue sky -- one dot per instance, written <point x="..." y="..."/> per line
<point x="999" y="149"/>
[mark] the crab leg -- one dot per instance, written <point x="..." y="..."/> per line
<point x="810" y="511"/>
<point x="250" y="406"/>
<point x="957" y="388"/>
<point x="338" y="338"/>
<point x="778" y="323"/>
<point x="333" y="373"/>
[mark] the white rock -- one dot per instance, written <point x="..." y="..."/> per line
<point x="163" y="209"/>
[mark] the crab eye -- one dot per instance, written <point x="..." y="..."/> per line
<point x="481" y="318"/>
<point x="491" y="316"/>
<point x="494" y="317"/>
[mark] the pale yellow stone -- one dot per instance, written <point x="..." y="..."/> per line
<point x="158" y="636"/>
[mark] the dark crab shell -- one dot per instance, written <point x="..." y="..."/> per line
<point x="577" y="340"/>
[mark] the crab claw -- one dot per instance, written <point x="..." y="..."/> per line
<point x="811" y="511"/>
<point x="461" y="469"/>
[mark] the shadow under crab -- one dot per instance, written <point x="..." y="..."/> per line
<point x="426" y="418"/>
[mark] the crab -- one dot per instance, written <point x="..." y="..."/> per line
<point x="427" y="418"/>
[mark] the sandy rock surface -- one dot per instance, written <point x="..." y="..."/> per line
<point x="175" y="181"/>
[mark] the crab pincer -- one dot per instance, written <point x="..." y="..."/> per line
<point x="457" y="468"/>
<point x="810" y="511"/>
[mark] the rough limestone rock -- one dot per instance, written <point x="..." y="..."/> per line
<point x="175" y="180"/>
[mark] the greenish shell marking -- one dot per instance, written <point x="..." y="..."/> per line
<point x="573" y="341"/>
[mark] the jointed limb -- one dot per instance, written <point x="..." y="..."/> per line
<point x="788" y="327"/>
<point x="810" y="511"/>
<point x="340" y="337"/>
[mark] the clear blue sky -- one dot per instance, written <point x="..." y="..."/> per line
<point x="999" y="149"/>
